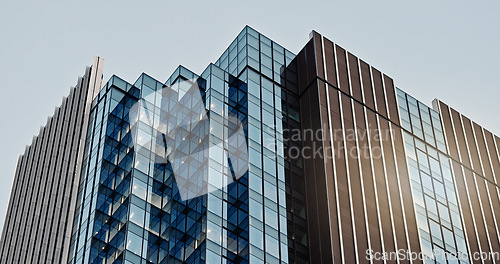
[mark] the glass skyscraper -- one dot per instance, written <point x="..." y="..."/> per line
<point x="265" y="157"/>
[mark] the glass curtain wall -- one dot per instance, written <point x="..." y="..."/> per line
<point x="433" y="186"/>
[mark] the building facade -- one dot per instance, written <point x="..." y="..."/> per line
<point x="265" y="157"/>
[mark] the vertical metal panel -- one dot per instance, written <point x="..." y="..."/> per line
<point x="10" y="223"/>
<point x="318" y="53"/>
<point x="367" y="85"/>
<point x="364" y="172"/>
<point x="302" y="70"/>
<point x="27" y="171"/>
<point x="53" y="202"/>
<point x="470" y="187"/>
<point x="15" y="185"/>
<point x="489" y="220"/>
<point x="49" y="175"/>
<point x="95" y="80"/>
<point x="372" y="216"/>
<point x="343" y="190"/>
<point x="330" y="65"/>
<point x="393" y="188"/>
<point x="465" y="208"/>
<point x="83" y="122"/>
<point x="495" y="205"/>
<point x="86" y="87"/>
<point x="342" y="70"/>
<point x="320" y="239"/>
<point x="379" y="92"/>
<point x="449" y="132"/>
<point x="497" y="144"/>
<point x="392" y="105"/>
<point x="334" y="114"/>
<point x="64" y="227"/>
<point x="357" y="93"/>
<point x="460" y="137"/>
<point x="483" y="151"/>
<point x="356" y="184"/>
<point x="320" y="175"/>
<point x="347" y="180"/>
<point x="473" y="152"/>
<point x="389" y="244"/>
<point x="24" y="208"/>
<point x="57" y="200"/>
<point x="310" y="62"/>
<point x="492" y="151"/>
<point x="41" y="174"/>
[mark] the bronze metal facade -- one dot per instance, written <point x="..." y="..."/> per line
<point x="476" y="166"/>
<point x="358" y="192"/>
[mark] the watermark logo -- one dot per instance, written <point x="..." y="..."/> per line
<point x="332" y="143"/>
<point x="438" y="254"/>
<point x="204" y="144"/>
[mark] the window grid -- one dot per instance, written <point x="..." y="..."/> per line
<point x="433" y="186"/>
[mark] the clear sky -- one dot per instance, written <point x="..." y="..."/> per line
<point x="432" y="49"/>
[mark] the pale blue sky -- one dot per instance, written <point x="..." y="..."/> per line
<point x="433" y="49"/>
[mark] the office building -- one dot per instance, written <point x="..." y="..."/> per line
<point x="264" y="157"/>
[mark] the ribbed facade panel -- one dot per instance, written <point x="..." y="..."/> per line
<point x="39" y="218"/>
<point x="358" y="178"/>
<point x="476" y="168"/>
